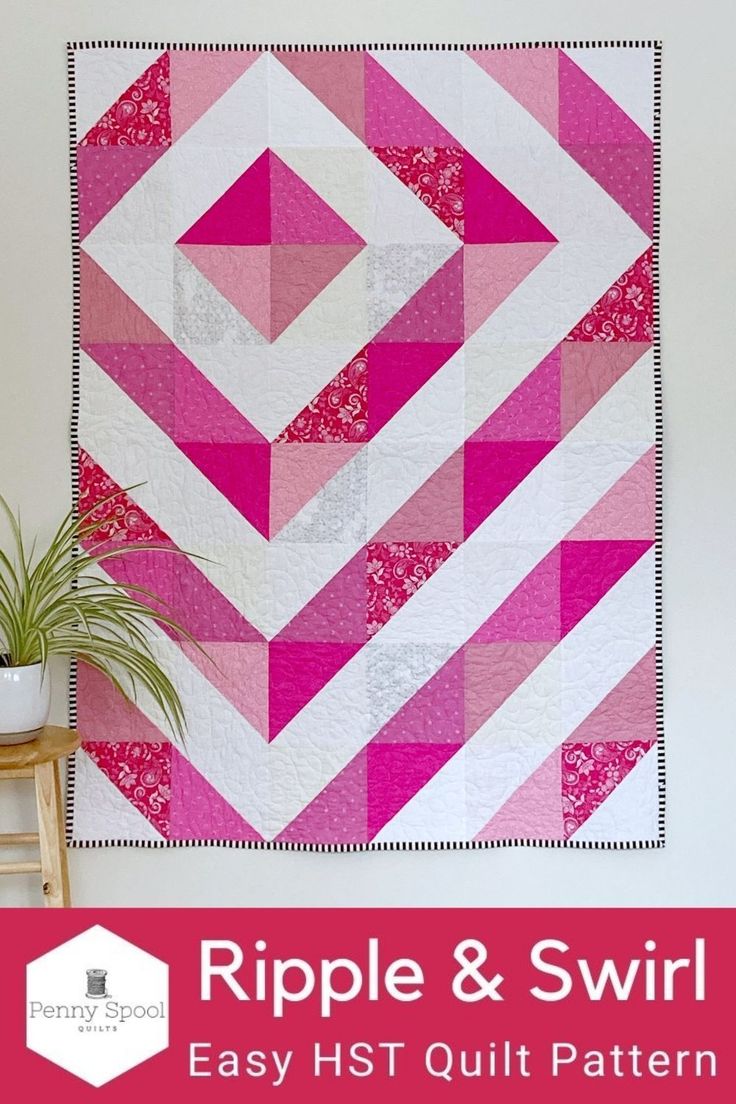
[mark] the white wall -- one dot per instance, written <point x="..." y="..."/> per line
<point x="698" y="282"/>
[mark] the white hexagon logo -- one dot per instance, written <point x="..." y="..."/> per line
<point x="97" y="1006"/>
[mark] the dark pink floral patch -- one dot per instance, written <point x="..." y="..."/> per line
<point x="396" y="570"/>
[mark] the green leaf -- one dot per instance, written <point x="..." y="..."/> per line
<point x="56" y="603"/>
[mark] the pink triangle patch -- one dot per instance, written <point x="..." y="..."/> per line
<point x="393" y="117"/>
<point x="532" y="611"/>
<point x="141" y="116"/>
<point x="493" y="469"/>
<point x="199" y="78"/>
<point x="337" y="79"/>
<point x="241" y="472"/>
<point x="435" y="714"/>
<point x="588" y="115"/>
<point x="398" y="371"/>
<point x="492" y="272"/>
<point x="589" y="370"/>
<point x="299" y="216"/>
<point x="298" y="471"/>
<point x="628" y="712"/>
<point x="493" y="214"/>
<point x="124" y="520"/>
<point x="396" y="570"/>
<point x="142" y="773"/>
<point x="435" y="312"/>
<point x="298" y="274"/>
<point x="338" y="813"/>
<point x="242" y="214"/>
<point x="337" y="613"/>
<point x="396" y="772"/>
<point x="103" y="709"/>
<point x="105" y="174"/>
<point x="493" y="672"/>
<point x="435" y="511"/>
<point x="534" y="810"/>
<point x="339" y="412"/>
<point x="239" y="670"/>
<point x="627" y="174"/>
<point x="608" y="321"/>
<point x="296" y="672"/>
<point x="198" y="811"/>
<point x="530" y="76"/>
<point x="588" y="570"/>
<point x="108" y="315"/>
<point x="243" y="276"/>
<point x="627" y="511"/>
<point x="532" y="411"/>
<point x="590" y="774"/>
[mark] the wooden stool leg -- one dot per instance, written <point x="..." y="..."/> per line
<point x="54" y="867"/>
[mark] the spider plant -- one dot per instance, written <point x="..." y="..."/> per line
<point x="57" y="603"/>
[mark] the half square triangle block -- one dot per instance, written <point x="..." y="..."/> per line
<point x="270" y="245"/>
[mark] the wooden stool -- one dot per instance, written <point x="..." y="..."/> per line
<point x="39" y="760"/>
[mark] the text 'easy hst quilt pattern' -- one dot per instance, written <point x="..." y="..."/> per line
<point x="371" y="332"/>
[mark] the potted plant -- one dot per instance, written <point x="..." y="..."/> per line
<point x="57" y="603"/>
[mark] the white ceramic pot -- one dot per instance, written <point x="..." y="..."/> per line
<point x="25" y="701"/>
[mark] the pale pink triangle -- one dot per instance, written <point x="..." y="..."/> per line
<point x="627" y="510"/>
<point x="396" y="772"/>
<point x="534" y="810"/>
<point x="393" y="117"/>
<point x="335" y="78"/>
<point x="337" y="814"/>
<point x="589" y="370"/>
<point x="199" y="78"/>
<point x="530" y="76"/>
<point x="104" y="714"/>
<point x="532" y="411"/>
<point x="241" y="274"/>
<point x="298" y="274"/>
<point x="628" y="712"/>
<point x="108" y="315"/>
<point x="198" y="811"/>
<point x="299" y="216"/>
<point x="532" y="611"/>
<point x="435" y="312"/>
<point x="493" y="672"/>
<point x="435" y="511"/>
<point x="588" y="115"/>
<point x="492" y="272"/>
<point x="239" y="670"/>
<point x="338" y="612"/>
<point x="298" y="470"/>
<point x="435" y="714"/>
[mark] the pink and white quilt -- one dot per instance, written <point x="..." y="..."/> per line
<point x="374" y="332"/>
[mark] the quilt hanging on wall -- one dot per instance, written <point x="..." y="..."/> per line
<point x="372" y="332"/>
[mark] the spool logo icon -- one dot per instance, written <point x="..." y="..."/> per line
<point x="97" y="1032"/>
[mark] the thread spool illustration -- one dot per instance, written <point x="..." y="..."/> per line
<point x="96" y="983"/>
